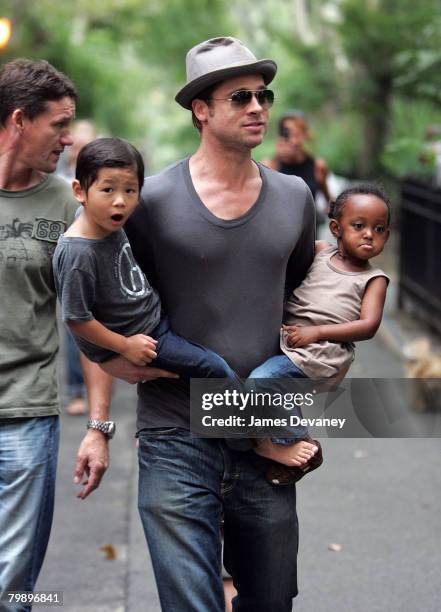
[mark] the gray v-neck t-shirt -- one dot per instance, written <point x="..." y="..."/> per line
<point x="222" y="283"/>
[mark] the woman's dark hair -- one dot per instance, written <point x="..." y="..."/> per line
<point x="30" y="85"/>
<point x="336" y="207"/>
<point x="295" y="115"/>
<point x="107" y="153"/>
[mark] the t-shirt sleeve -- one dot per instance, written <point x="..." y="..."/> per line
<point x="75" y="284"/>
<point x="77" y="296"/>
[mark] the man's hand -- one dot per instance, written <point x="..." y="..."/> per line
<point x="92" y="461"/>
<point x="119" y="367"/>
<point x="301" y="336"/>
<point x="140" y="349"/>
<point x="285" y="150"/>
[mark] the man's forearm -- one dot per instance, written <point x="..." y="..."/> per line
<point x="93" y="454"/>
<point x="119" y="367"/>
<point x="99" y="389"/>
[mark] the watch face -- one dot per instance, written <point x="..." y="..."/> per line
<point x="111" y="429"/>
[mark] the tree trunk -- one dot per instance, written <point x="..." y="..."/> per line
<point x="376" y="113"/>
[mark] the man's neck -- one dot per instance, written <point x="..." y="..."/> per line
<point x="231" y="167"/>
<point x="14" y="176"/>
<point x="227" y="182"/>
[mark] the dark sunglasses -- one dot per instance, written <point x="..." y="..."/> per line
<point x="242" y="97"/>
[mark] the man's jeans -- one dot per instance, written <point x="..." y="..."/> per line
<point x="75" y="379"/>
<point x="28" y="460"/>
<point x="185" y="484"/>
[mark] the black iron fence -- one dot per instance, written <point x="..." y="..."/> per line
<point x="420" y="251"/>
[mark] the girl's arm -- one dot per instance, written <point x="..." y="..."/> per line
<point x="138" y="349"/>
<point x="362" y="329"/>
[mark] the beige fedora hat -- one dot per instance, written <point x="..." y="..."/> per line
<point x="217" y="59"/>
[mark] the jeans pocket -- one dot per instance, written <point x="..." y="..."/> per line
<point x="156" y="444"/>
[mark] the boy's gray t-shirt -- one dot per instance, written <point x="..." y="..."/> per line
<point x="221" y="283"/>
<point x="100" y="279"/>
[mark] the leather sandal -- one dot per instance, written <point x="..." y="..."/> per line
<point x="280" y="474"/>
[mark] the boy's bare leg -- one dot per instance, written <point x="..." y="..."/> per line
<point x="76" y="406"/>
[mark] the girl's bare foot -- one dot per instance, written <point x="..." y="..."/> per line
<point x="296" y="454"/>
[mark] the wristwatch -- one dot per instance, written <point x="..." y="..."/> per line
<point x="107" y="427"/>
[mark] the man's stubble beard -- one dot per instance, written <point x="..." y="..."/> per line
<point x="229" y="142"/>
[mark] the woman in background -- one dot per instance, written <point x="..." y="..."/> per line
<point x="292" y="157"/>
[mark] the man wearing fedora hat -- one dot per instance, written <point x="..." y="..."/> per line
<point x="222" y="238"/>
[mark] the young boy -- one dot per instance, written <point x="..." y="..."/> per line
<point x="106" y="300"/>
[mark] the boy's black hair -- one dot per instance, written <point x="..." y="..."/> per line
<point x="336" y="207"/>
<point x="30" y="85"/>
<point x="107" y="153"/>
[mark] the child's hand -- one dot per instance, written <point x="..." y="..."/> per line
<point x="300" y="336"/>
<point x="140" y="349"/>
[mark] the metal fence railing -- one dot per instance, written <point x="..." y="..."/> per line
<point x="420" y="251"/>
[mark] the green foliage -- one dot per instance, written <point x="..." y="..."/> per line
<point x="407" y="151"/>
<point x="307" y="77"/>
<point x="339" y="141"/>
<point x="394" y="50"/>
<point x="375" y="33"/>
<point x="369" y="79"/>
<point x="88" y="55"/>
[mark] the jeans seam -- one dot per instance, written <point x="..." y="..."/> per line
<point x="44" y="498"/>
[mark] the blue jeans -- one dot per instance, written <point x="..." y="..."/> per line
<point x="28" y="460"/>
<point x="185" y="484"/>
<point x="75" y="380"/>
<point x="188" y="359"/>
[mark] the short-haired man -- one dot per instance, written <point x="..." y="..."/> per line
<point x="37" y="104"/>
<point x="220" y="235"/>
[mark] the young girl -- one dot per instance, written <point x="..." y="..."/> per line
<point x="342" y="298"/>
<point x="340" y="302"/>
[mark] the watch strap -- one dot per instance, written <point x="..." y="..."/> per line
<point x="106" y="427"/>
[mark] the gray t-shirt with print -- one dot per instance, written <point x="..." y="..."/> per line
<point x="222" y="283"/>
<point x="100" y="279"/>
<point x="31" y="221"/>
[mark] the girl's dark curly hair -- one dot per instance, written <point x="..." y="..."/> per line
<point x="336" y="207"/>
